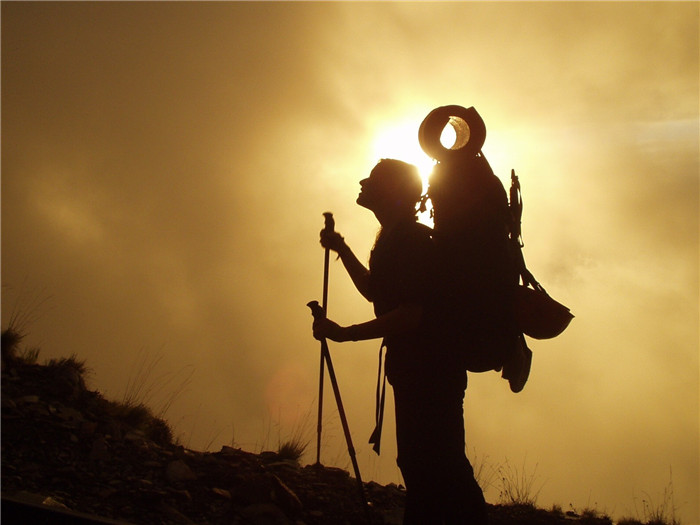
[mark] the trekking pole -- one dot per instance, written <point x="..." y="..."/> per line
<point x="329" y="227"/>
<point x="318" y="313"/>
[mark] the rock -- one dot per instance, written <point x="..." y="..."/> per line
<point x="336" y="473"/>
<point x="256" y="488"/>
<point x="179" y="471"/>
<point x="31" y="498"/>
<point x="392" y="516"/>
<point x="88" y="428"/>
<point x="285" y="463"/>
<point x="50" y="502"/>
<point x="106" y="493"/>
<point x="99" y="450"/>
<point x="69" y="414"/>
<point x="68" y="382"/>
<point x="229" y="451"/>
<point x="264" y="514"/>
<point x="221" y="492"/>
<point x="27" y="399"/>
<point x="134" y="435"/>
<point x="269" y="456"/>
<point x="174" y="515"/>
<point x="285" y="497"/>
<point x="182" y="495"/>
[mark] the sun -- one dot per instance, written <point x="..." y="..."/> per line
<point x="400" y="141"/>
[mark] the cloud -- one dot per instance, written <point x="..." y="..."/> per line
<point x="165" y="168"/>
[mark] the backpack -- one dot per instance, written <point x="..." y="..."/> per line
<point x="488" y="299"/>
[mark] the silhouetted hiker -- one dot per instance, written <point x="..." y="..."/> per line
<point x="428" y="385"/>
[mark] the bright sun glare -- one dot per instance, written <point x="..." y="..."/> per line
<point x="401" y="142"/>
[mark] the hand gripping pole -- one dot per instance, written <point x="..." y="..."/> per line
<point x="318" y="313"/>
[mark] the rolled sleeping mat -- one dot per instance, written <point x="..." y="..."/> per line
<point x="469" y="128"/>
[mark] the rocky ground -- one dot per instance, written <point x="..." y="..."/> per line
<point x="66" y="447"/>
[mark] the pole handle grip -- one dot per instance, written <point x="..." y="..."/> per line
<point x="316" y="310"/>
<point x="329" y="222"/>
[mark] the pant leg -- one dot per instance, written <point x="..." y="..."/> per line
<point x="440" y="484"/>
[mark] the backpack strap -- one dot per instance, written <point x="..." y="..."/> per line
<point x="376" y="437"/>
<point x="516" y="234"/>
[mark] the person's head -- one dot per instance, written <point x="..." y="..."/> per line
<point x="393" y="186"/>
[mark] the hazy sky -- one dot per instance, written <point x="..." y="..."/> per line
<point x="165" y="167"/>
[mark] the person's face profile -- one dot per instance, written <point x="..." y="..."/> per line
<point x="375" y="188"/>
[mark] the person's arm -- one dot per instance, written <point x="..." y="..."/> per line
<point x="403" y="319"/>
<point x="356" y="270"/>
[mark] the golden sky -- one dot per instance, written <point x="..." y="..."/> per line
<point x="165" y="167"/>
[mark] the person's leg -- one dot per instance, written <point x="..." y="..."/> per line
<point x="415" y="456"/>
<point x="440" y="484"/>
<point x="461" y="497"/>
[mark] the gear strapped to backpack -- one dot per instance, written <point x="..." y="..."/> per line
<point x="488" y="298"/>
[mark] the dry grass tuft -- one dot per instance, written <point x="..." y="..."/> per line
<point x="298" y="439"/>
<point x="71" y="362"/>
<point x="146" y="388"/>
<point x="293" y="449"/>
<point x="517" y="486"/>
<point x="141" y="419"/>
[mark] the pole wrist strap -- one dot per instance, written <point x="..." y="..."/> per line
<point x="376" y="437"/>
